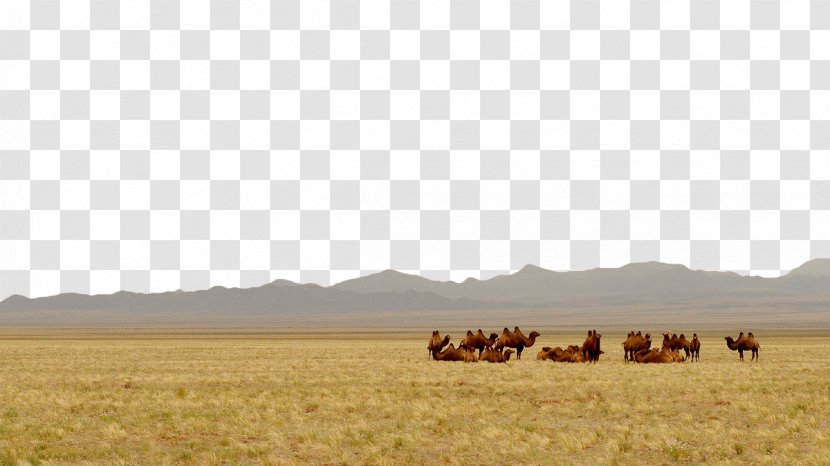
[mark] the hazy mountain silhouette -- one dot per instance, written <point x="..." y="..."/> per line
<point x="634" y="292"/>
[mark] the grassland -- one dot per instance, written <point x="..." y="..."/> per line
<point x="231" y="398"/>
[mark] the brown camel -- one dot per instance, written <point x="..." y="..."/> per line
<point x="676" y="356"/>
<point x="694" y="348"/>
<point x="491" y="355"/>
<point x="673" y="342"/>
<point x="591" y="346"/>
<point x="556" y="354"/>
<point x="436" y="342"/>
<point x="576" y="353"/>
<point x="478" y="341"/>
<point x="635" y="343"/>
<point x="654" y="356"/>
<point x="744" y="343"/>
<point x="516" y="339"/>
<point x="453" y="354"/>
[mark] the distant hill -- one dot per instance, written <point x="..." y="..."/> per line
<point x="648" y="291"/>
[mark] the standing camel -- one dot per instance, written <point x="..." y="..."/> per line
<point x="744" y="343"/>
<point x="478" y="341"/>
<point x="694" y="348"/>
<point x="635" y="343"/>
<point x="591" y="347"/>
<point x="516" y="339"/>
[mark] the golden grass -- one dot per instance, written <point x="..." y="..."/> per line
<point x="280" y="400"/>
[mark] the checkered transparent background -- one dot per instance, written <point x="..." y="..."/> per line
<point x="164" y="144"/>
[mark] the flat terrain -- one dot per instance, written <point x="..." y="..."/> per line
<point x="238" y="397"/>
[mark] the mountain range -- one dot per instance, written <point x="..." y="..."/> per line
<point x="637" y="292"/>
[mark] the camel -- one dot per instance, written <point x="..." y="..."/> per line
<point x="654" y="355"/>
<point x="744" y="343"/>
<point x="452" y="354"/>
<point x="491" y="355"/>
<point x="635" y="343"/>
<point x="676" y="356"/>
<point x="556" y="354"/>
<point x="591" y="346"/>
<point x="437" y="342"/>
<point x="576" y="353"/>
<point x="516" y="339"/>
<point x="694" y="348"/>
<point x="478" y="341"/>
<point x="673" y="342"/>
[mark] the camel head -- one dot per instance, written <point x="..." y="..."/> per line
<point x="648" y="336"/>
<point x="507" y="354"/>
<point x="534" y="334"/>
<point x="694" y="335"/>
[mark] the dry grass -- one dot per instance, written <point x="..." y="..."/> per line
<point x="280" y="400"/>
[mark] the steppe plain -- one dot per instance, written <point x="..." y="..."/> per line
<point x="329" y="396"/>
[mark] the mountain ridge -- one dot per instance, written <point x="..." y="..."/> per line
<point x="643" y="285"/>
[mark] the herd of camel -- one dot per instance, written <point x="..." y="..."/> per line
<point x="636" y="347"/>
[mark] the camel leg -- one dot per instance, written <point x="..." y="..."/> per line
<point x="741" y="354"/>
<point x="519" y="350"/>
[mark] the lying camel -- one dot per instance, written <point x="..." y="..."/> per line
<point x="591" y="346"/>
<point x="744" y="343"/>
<point x="654" y="356"/>
<point x="576" y="353"/>
<point x="516" y="339"/>
<point x="436" y="342"/>
<point x="491" y="355"/>
<point x="694" y="348"/>
<point x="635" y="343"/>
<point x="453" y="354"/>
<point x="478" y="341"/>
<point x="555" y="354"/>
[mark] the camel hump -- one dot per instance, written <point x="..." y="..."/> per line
<point x="469" y="333"/>
<point x="751" y="335"/>
<point x="682" y="335"/>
